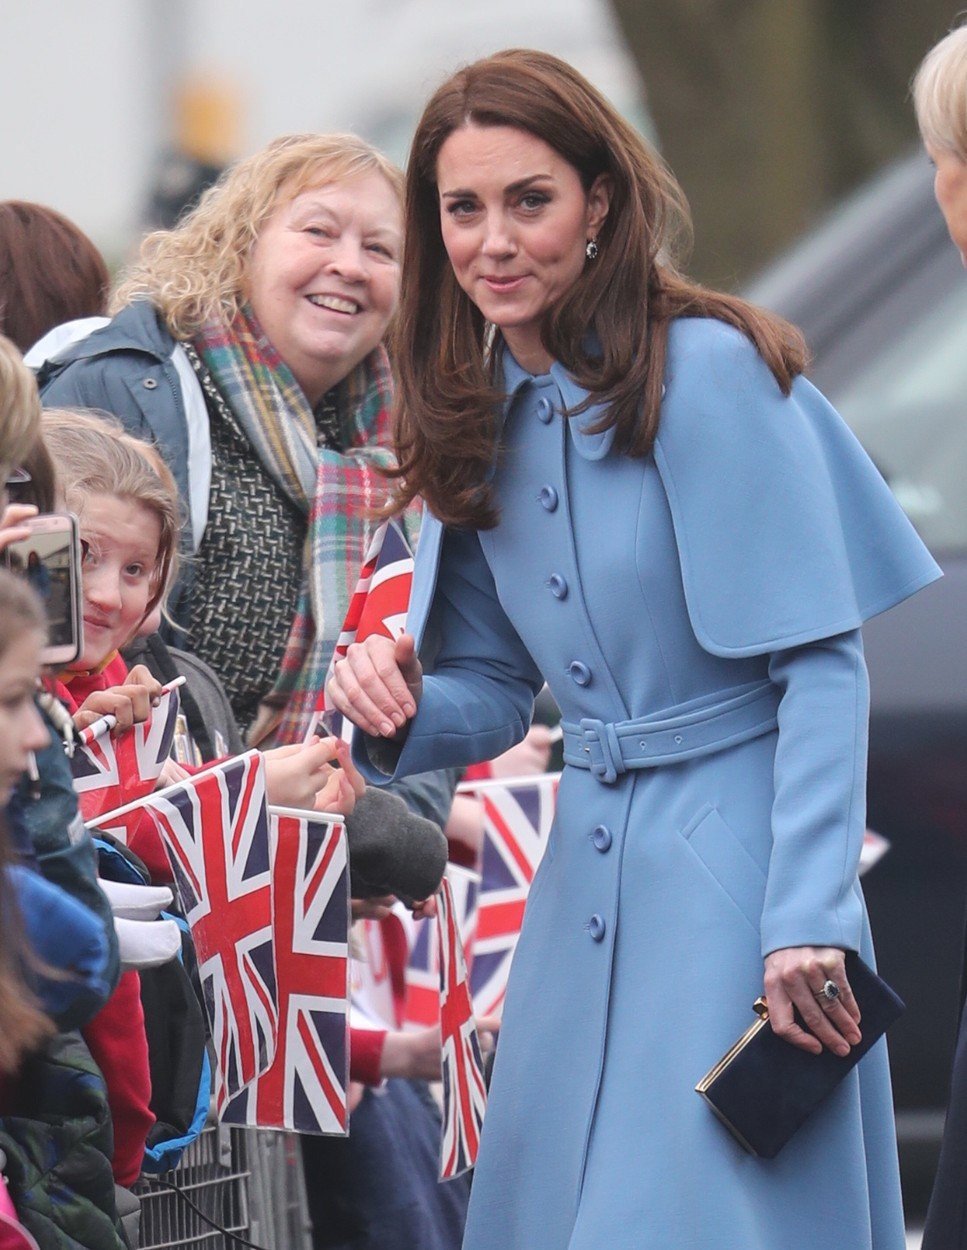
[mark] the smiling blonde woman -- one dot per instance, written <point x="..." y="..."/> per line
<point x="247" y="342"/>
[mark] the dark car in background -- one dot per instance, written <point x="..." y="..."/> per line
<point x="881" y="296"/>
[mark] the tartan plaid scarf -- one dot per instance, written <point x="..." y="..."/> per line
<point x="336" y="490"/>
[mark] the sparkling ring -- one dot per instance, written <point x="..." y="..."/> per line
<point x="829" y="993"/>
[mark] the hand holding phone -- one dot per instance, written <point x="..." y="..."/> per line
<point x="13" y="523"/>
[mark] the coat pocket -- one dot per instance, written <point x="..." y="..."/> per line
<point x="731" y="865"/>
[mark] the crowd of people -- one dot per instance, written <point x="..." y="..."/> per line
<point x="618" y="483"/>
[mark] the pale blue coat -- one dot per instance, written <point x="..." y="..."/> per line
<point x="696" y="616"/>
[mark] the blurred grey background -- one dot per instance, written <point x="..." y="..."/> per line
<point x="768" y="110"/>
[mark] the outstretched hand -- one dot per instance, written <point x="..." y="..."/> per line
<point x="378" y="684"/>
<point x="316" y="776"/>
<point x="418" y="1055"/>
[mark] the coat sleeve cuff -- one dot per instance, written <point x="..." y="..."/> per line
<point x="365" y="1055"/>
<point x="844" y="930"/>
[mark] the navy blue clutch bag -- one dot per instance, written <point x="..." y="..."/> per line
<point x="763" y="1088"/>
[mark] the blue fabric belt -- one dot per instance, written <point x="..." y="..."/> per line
<point x="611" y="748"/>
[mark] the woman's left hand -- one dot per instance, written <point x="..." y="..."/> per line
<point x="794" y="978"/>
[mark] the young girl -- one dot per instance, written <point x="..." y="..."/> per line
<point x="127" y="505"/>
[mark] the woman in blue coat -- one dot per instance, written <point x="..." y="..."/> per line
<point x="636" y="497"/>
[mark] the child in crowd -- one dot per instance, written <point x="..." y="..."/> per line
<point x="127" y="505"/>
<point x="51" y="949"/>
<point x="22" y="1024"/>
<point x="127" y="508"/>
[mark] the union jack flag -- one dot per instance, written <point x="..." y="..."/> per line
<point x="304" y="1089"/>
<point x="216" y="832"/>
<point x="378" y="606"/>
<point x="422" y="1006"/>
<point x="464" y="1093"/>
<point x="518" y="814"/>
<point x="380" y="949"/>
<point x="110" y="772"/>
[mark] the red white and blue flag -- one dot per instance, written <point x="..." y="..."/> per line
<point x="373" y="1001"/>
<point x="216" y="832"/>
<point x="378" y="606"/>
<point x="304" y="1089"/>
<point x="517" y="818"/>
<point x="464" y="1092"/>
<point x="110" y="772"/>
<point x="422" y="1004"/>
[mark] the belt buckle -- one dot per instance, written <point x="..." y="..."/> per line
<point x="603" y="735"/>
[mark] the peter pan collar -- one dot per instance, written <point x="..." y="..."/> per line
<point x="515" y="378"/>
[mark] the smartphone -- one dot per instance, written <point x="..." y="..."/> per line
<point x="50" y="560"/>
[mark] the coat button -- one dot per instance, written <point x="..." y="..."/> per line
<point x="557" y="586"/>
<point x="150" y="384"/>
<point x="597" y="928"/>
<point x="580" y="673"/>
<point x="544" y="410"/>
<point x="548" y="498"/>
<point x="601" y="837"/>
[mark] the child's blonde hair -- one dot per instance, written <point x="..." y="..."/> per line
<point x="19" y="408"/>
<point x="94" y="455"/>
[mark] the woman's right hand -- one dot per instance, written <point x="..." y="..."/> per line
<point x="378" y="685"/>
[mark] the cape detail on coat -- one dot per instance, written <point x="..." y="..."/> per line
<point x="786" y="530"/>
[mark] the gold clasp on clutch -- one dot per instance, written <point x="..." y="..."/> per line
<point x="761" y="1008"/>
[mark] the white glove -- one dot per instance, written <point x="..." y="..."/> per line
<point x="147" y="945"/>
<point x="136" y="902"/>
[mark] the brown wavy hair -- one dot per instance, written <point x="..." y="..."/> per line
<point x="447" y="400"/>
<point x="50" y="272"/>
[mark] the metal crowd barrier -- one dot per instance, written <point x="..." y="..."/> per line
<point x="230" y="1181"/>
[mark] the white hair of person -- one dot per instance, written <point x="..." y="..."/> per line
<point x="940" y="94"/>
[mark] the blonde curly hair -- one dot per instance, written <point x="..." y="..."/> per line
<point x="195" y="273"/>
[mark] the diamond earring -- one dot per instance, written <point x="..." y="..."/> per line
<point x="591" y="251"/>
